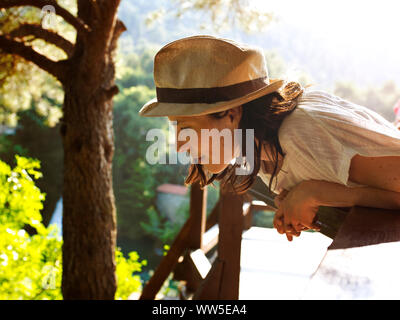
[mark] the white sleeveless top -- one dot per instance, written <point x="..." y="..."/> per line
<point x="321" y="136"/>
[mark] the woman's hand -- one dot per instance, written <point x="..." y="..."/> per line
<point x="278" y="218"/>
<point x="296" y="210"/>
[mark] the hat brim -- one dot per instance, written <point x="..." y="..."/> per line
<point x="153" y="108"/>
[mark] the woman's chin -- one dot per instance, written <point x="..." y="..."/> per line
<point x="215" y="168"/>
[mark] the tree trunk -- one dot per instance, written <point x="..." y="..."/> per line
<point x="87" y="76"/>
<point x="89" y="221"/>
<point x="89" y="217"/>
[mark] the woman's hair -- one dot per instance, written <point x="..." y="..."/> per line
<point x="265" y="116"/>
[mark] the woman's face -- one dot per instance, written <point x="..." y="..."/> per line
<point x="206" y="140"/>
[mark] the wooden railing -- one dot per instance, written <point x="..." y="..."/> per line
<point x="352" y="227"/>
<point x="223" y="229"/>
<point x="362" y="261"/>
<point x="187" y="254"/>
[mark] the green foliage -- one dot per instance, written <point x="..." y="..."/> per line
<point x="31" y="266"/>
<point x="24" y="85"/>
<point x="136" y="68"/>
<point x="263" y="219"/>
<point x="127" y="281"/>
<point x="241" y="13"/>
<point x="20" y="199"/>
<point x="135" y="181"/>
<point x="165" y="230"/>
<point x="8" y="147"/>
<point x="162" y="229"/>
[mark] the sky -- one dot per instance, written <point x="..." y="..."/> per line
<point x="372" y="22"/>
<point x="341" y="40"/>
<point x="362" y="25"/>
<point x="367" y="32"/>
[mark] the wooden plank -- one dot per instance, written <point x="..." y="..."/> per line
<point x="199" y="259"/>
<point x="247" y="215"/>
<point x="366" y="226"/>
<point x="258" y="205"/>
<point x="362" y="261"/>
<point x="330" y="219"/>
<point x="210" y="287"/>
<point x="210" y="238"/>
<point x="193" y="270"/>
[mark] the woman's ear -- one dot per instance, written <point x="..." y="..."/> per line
<point x="235" y="114"/>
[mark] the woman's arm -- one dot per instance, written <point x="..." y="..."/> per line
<point x="378" y="172"/>
<point x="332" y="194"/>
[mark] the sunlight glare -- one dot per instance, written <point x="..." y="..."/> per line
<point x="356" y="25"/>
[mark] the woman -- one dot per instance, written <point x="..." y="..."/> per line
<point x="321" y="149"/>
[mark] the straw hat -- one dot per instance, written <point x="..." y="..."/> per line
<point x="203" y="74"/>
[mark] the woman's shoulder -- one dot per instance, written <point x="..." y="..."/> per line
<point x="314" y="101"/>
<point x="321" y="116"/>
<point x="332" y="110"/>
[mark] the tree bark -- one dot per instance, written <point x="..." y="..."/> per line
<point x="89" y="214"/>
<point x="89" y="220"/>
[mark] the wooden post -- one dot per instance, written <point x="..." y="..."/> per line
<point x="222" y="282"/>
<point x="198" y="213"/>
<point x="247" y="215"/>
<point x="229" y="244"/>
<point x="187" y="270"/>
<point x="212" y="218"/>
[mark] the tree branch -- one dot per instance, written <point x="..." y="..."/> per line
<point x="49" y="36"/>
<point x="79" y="25"/>
<point x="118" y="30"/>
<point x="14" y="47"/>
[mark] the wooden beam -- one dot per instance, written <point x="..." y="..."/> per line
<point x="247" y="215"/>
<point x="210" y="238"/>
<point x="367" y="226"/>
<point x="193" y="270"/>
<point x="210" y="287"/>
<point x="362" y="262"/>
<point x="258" y="205"/>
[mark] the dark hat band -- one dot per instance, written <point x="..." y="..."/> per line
<point x="210" y="95"/>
